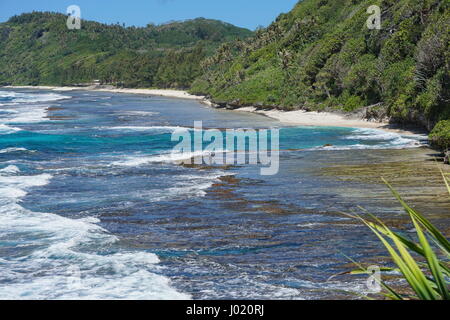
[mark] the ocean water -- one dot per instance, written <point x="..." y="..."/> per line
<point x="93" y="207"/>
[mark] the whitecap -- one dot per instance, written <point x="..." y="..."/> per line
<point x="375" y="139"/>
<point x="10" y="150"/>
<point x="70" y="258"/>
<point x="184" y="187"/>
<point x="28" y="114"/>
<point x="19" y="97"/>
<point x="9" y="170"/>
<point x="5" y="129"/>
<point x="386" y="139"/>
<point x="160" y="129"/>
<point x="164" y="158"/>
<point x="136" y="113"/>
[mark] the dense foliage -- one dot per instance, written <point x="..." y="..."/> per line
<point x="38" y="49"/>
<point x="440" y="136"/>
<point x="322" y="56"/>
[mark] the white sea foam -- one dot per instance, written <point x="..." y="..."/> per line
<point x="149" y="128"/>
<point x="24" y="108"/>
<point x="378" y="139"/>
<point x="389" y="138"/>
<point x="159" y="129"/>
<point x="14" y="187"/>
<point x="136" y="113"/>
<point x="4" y="129"/>
<point x="9" y="170"/>
<point x="27" y="114"/>
<point x="310" y="225"/>
<point x="372" y="134"/>
<point x="184" y="187"/>
<point x="61" y="259"/>
<point x="10" y="150"/>
<point x="18" y="97"/>
<point x="162" y="158"/>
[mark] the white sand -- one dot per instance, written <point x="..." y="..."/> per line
<point x="153" y="92"/>
<point x="157" y="92"/>
<point x="324" y="119"/>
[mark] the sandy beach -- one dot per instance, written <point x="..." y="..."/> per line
<point x="180" y="94"/>
<point x="294" y="118"/>
<point x="319" y="119"/>
<point x="325" y="119"/>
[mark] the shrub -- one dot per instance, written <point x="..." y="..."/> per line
<point x="440" y="136"/>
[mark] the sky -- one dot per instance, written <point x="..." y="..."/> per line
<point x="243" y="13"/>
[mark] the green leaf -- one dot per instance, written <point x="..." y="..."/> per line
<point x="432" y="262"/>
<point x="410" y="276"/>
<point x="427" y="224"/>
<point x="445" y="180"/>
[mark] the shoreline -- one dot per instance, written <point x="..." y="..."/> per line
<point x="324" y="119"/>
<point x="329" y="119"/>
<point x="170" y="93"/>
<point x="290" y="118"/>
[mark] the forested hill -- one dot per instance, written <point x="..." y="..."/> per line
<point x="322" y="56"/>
<point x="38" y="49"/>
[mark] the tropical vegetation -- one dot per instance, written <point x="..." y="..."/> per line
<point x="322" y="56"/>
<point x="423" y="264"/>
<point x="319" y="56"/>
<point x="38" y="49"/>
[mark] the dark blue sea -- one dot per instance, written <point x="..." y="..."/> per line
<point x="92" y="207"/>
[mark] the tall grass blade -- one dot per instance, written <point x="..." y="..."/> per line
<point x="410" y="275"/>
<point x="427" y="224"/>
<point x="432" y="262"/>
<point x="445" y="180"/>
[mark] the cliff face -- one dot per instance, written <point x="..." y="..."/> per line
<point x="322" y="56"/>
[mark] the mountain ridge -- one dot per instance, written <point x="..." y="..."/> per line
<point x="38" y="49"/>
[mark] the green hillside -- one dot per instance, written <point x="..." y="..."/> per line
<point x="38" y="49"/>
<point x="322" y="56"/>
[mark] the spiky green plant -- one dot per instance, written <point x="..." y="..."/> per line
<point x="426" y="271"/>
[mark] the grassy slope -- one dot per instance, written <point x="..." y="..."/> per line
<point x="37" y="48"/>
<point x="321" y="56"/>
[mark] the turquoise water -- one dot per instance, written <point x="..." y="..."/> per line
<point x="91" y="206"/>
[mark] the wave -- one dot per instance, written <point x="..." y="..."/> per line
<point x="384" y="136"/>
<point x="371" y="134"/>
<point x="374" y="139"/>
<point x="11" y="97"/>
<point x="187" y="186"/>
<point x="26" y="108"/>
<point x="5" y="129"/>
<point x="9" y="169"/>
<point x="366" y="147"/>
<point x="14" y="187"/>
<point x="11" y="150"/>
<point x="163" y="158"/>
<point x="157" y="128"/>
<point x="28" y="114"/>
<point x="61" y="258"/>
<point x="160" y="129"/>
<point x="136" y="113"/>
